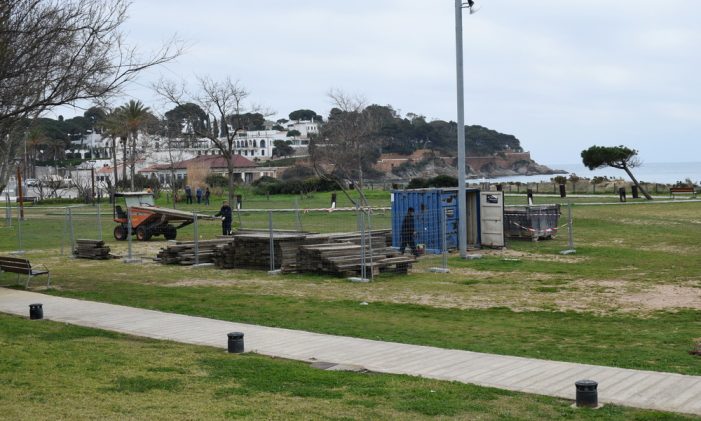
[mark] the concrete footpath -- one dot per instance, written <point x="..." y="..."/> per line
<point x="635" y="388"/>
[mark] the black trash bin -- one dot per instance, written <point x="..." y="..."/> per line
<point x="36" y="312"/>
<point x="235" y="342"/>
<point x="587" y="395"/>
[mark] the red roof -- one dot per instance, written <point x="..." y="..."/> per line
<point x="211" y="161"/>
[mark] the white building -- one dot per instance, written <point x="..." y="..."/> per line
<point x="306" y="128"/>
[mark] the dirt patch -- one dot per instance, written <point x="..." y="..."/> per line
<point x="512" y="254"/>
<point x="663" y="297"/>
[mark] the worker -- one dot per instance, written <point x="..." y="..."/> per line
<point x="188" y="195"/>
<point x="207" y="193"/>
<point x="408" y="232"/>
<point x="198" y="193"/>
<point x="225" y="213"/>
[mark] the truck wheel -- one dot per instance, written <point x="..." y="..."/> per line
<point x="170" y="233"/>
<point x="120" y="232"/>
<point x="142" y="234"/>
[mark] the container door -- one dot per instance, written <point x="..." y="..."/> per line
<point x="492" y="218"/>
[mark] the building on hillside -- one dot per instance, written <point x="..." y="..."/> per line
<point x="258" y="144"/>
<point x="388" y="161"/>
<point x="306" y="128"/>
<point x="90" y="146"/>
<point x="244" y="169"/>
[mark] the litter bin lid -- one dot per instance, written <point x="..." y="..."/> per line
<point x="235" y="334"/>
<point x="586" y="383"/>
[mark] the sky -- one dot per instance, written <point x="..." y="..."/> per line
<point x="561" y="75"/>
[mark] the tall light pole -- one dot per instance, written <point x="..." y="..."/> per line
<point x="462" y="191"/>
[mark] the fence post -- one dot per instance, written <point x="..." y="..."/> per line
<point x="570" y="232"/>
<point x="129" y="256"/>
<point x="272" y="241"/>
<point x="298" y="216"/>
<point x="443" y="222"/>
<point x="197" y="238"/>
<point x="372" y="271"/>
<point x="99" y="222"/>
<point x="20" y="217"/>
<point x="361" y="229"/>
<point x="8" y="210"/>
<point x="71" y="232"/>
<point x="65" y="229"/>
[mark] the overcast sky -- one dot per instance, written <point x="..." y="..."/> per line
<point x="561" y="75"/>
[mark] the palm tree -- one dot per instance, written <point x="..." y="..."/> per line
<point x="134" y="115"/>
<point x="113" y="126"/>
<point x="35" y="139"/>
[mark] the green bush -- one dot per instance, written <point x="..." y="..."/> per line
<point x="216" y="180"/>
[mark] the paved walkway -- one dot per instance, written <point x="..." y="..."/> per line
<point x="635" y="388"/>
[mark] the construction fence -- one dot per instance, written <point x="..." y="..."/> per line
<point x="359" y="243"/>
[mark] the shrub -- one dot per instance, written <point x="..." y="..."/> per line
<point x="417" y="183"/>
<point x="216" y="180"/>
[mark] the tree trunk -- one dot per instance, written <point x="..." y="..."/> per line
<point x="230" y="171"/>
<point x="114" y="168"/>
<point x="124" y="160"/>
<point x="635" y="181"/>
<point x="132" y="160"/>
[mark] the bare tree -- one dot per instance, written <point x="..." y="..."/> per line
<point x="225" y="103"/>
<point x="62" y="52"/>
<point x="348" y="145"/>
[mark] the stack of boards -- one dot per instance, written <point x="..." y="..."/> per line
<point x="338" y="253"/>
<point x="91" y="249"/>
<point x="252" y="251"/>
<point x="183" y="252"/>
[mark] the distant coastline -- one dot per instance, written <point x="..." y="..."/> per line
<point x="652" y="172"/>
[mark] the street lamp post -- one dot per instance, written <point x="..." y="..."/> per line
<point x="462" y="191"/>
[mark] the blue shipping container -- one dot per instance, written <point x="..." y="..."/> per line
<point x="431" y="208"/>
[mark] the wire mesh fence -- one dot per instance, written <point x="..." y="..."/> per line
<point x="356" y="242"/>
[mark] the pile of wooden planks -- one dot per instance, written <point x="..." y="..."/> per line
<point x="91" y="249"/>
<point x="224" y="256"/>
<point x="183" y="252"/>
<point x="252" y="250"/>
<point x="346" y="259"/>
<point x="335" y="253"/>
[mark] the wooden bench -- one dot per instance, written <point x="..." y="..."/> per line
<point x="677" y="190"/>
<point x="23" y="267"/>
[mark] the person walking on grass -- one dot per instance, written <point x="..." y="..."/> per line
<point x="225" y="213"/>
<point x="407" y="233"/>
<point x="206" y="196"/>
<point x="198" y="193"/>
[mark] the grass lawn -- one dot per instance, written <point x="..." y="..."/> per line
<point x="630" y="297"/>
<point x="57" y="371"/>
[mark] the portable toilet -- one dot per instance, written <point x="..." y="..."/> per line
<point x="435" y="217"/>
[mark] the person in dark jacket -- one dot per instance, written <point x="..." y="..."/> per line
<point x="207" y="193"/>
<point x="198" y="194"/>
<point x="188" y="195"/>
<point x="225" y="213"/>
<point x="407" y="234"/>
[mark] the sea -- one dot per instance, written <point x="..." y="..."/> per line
<point x="652" y="172"/>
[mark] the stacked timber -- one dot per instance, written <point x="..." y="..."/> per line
<point x="91" y="249"/>
<point x="224" y="256"/>
<point x="347" y="258"/>
<point x="183" y="252"/>
<point x="252" y="250"/>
